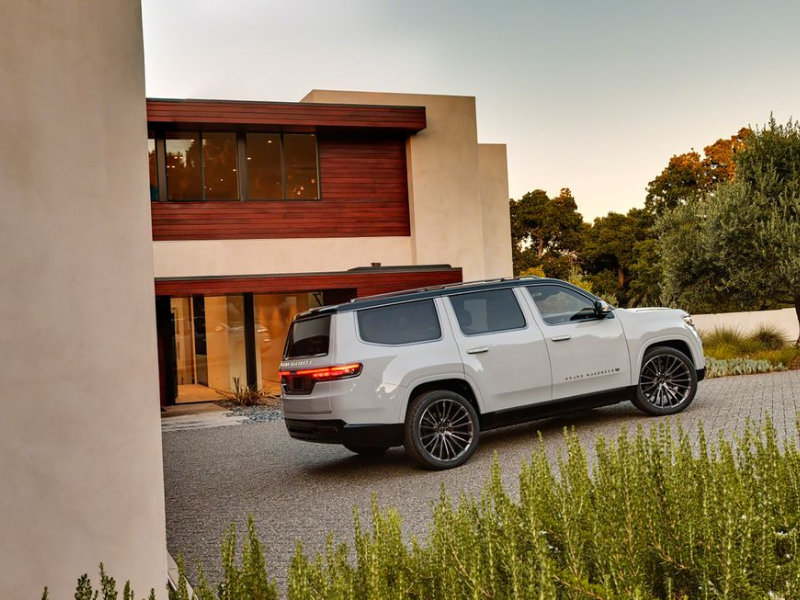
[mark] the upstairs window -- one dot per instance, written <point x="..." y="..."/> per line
<point x="212" y="165"/>
<point x="151" y="159"/>
<point x="201" y="166"/>
<point x="264" y="172"/>
<point x="301" y="167"/>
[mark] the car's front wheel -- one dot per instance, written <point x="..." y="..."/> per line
<point x="667" y="382"/>
<point x="441" y="429"/>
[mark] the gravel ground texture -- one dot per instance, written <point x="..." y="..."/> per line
<point x="298" y="491"/>
<point x="256" y="414"/>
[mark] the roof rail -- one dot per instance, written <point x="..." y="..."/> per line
<point x="444" y="286"/>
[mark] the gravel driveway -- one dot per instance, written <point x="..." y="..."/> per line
<point x="301" y="491"/>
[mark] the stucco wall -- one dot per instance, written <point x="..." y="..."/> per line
<point x="784" y="319"/>
<point x="80" y="439"/>
<point x="256" y="257"/>
<point x="493" y="174"/>
<point x="444" y="182"/>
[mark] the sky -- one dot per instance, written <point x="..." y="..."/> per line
<point x="593" y="96"/>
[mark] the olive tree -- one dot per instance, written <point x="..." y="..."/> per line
<point x="740" y="246"/>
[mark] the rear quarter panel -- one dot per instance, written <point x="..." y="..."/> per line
<point x="392" y="371"/>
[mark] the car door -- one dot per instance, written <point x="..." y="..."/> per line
<point x="588" y="353"/>
<point x="503" y="350"/>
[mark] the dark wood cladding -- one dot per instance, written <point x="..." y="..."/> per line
<point x="364" y="189"/>
<point x="365" y="283"/>
<point x="409" y="119"/>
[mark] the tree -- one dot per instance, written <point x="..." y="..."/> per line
<point x="688" y="177"/>
<point x="545" y="232"/>
<point x="741" y="246"/>
<point x="610" y="253"/>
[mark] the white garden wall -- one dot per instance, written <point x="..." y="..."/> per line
<point x="784" y="319"/>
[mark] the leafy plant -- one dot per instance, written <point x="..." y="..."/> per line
<point x="770" y="338"/>
<point x="739" y="366"/>
<point x="244" y="395"/>
<point x="108" y="588"/>
<point x="729" y="352"/>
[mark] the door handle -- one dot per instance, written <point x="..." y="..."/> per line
<point x="478" y="350"/>
<point x="561" y="338"/>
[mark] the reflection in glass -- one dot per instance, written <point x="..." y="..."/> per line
<point x="219" y="166"/>
<point x="300" y="152"/>
<point x="273" y="315"/>
<point x="264" y="179"/>
<point x="209" y="345"/>
<point x="184" y="174"/>
<point x="151" y="155"/>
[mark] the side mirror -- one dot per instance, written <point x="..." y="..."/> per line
<point x="602" y="309"/>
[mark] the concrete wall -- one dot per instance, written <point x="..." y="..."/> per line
<point x="80" y="440"/>
<point x="784" y="319"/>
<point x="255" y="257"/>
<point x="447" y="206"/>
<point x="493" y="174"/>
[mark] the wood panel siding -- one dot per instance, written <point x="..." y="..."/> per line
<point x="290" y="115"/>
<point x="364" y="193"/>
<point x="366" y="283"/>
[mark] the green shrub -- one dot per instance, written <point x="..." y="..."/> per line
<point x="244" y="395"/>
<point x="739" y="366"/>
<point x="736" y="354"/>
<point x="657" y="516"/>
<point x="769" y="338"/>
<point x="108" y="588"/>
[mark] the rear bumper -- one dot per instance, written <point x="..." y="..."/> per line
<point x="334" y="431"/>
<point x="701" y="374"/>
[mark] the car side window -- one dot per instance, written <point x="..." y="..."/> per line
<point x="396" y="324"/>
<point x="487" y="311"/>
<point x="558" y="304"/>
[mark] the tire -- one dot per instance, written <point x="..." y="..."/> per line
<point x="441" y="430"/>
<point x="667" y="382"/>
<point x="367" y="450"/>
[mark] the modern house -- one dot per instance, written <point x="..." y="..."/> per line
<point x="264" y="209"/>
<point x="257" y="210"/>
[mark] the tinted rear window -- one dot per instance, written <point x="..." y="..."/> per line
<point x="404" y="323"/>
<point x="309" y="337"/>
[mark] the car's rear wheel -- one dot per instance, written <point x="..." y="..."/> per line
<point x="366" y="450"/>
<point x="441" y="429"/>
<point x="667" y="382"/>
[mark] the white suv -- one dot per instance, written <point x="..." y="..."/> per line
<point x="430" y="369"/>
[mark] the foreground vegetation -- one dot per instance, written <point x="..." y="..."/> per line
<point x="654" y="516"/>
<point x="728" y="352"/>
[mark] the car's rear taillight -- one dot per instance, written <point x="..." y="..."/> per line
<point x="303" y="381"/>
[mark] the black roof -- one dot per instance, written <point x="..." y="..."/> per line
<point x="431" y="292"/>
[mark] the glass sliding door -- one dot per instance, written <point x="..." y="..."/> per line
<point x="209" y="345"/>
<point x="219" y="340"/>
<point x="272" y="315"/>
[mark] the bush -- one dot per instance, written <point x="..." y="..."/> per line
<point x="735" y="354"/>
<point x="739" y="366"/>
<point x="243" y="395"/>
<point x="769" y="338"/>
<point x="653" y="519"/>
<point x="657" y="516"/>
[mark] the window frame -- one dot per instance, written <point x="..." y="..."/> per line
<point x="242" y="171"/>
<point x="525" y="323"/>
<point x="591" y="298"/>
<point x="401" y="344"/>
